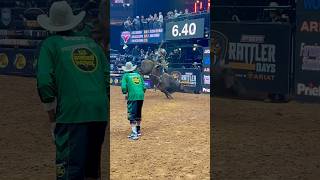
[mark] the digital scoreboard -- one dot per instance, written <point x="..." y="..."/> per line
<point x="186" y="29"/>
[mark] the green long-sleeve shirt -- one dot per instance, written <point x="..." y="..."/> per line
<point x="73" y="70"/>
<point x="133" y="84"/>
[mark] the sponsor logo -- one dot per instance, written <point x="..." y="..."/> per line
<point x="136" y="80"/>
<point x="84" y="59"/>
<point x="176" y="75"/>
<point x="205" y="90"/>
<point x="312" y="4"/>
<point x="189" y="79"/>
<point x="125" y="36"/>
<point x="310" y="26"/>
<point x="186" y="79"/>
<point x="4" y="60"/>
<point x="308" y="90"/>
<point x="252" y="54"/>
<point x="310" y="57"/>
<point x="32" y="23"/>
<point x="20" y="62"/>
<point x="219" y="46"/>
<point x="6" y="16"/>
<point x="60" y="170"/>
<point x="206" y="80"/>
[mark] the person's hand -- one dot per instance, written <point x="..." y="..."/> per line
<point x="125" y="96"/>
<point x="52" y="128"/>
<point x="51" y="115"/>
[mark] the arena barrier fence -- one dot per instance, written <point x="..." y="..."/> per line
<point x="307" y="52"/>
<point x="190" y="78"/>
<point x="18" y="61"/>
<point x="258" y="55"/>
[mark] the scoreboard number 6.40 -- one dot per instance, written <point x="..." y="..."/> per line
<point x="187" y="30"/>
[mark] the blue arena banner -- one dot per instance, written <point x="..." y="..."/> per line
<point x="190" y="79"/>
<point x="152" y="36"/>
<point x="257" y="55"/>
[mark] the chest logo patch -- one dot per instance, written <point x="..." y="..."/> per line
<point x="84" y="59"/>
<point x="136" y="80"/>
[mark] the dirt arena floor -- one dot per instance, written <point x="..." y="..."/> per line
<point x="265" y="141"/>
<point x="174" y="144"/>
<point x="252" y="140"/>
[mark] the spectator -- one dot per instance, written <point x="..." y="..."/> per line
<point x="135" y="53"/>
<point x="150" y="21"/>
<point x="176" y="14"/>
<point x="155" y="21"/>
<point x="160" y="20"/>
<point x="142" y="54"/>
<point x="128" y="24"/>
<point x="275" y="15"/>
<point x="151" y="55"/>
<point x="144" y="22"/>
<point x="137" y="23"/>
<point x="170" y="15"/>
<point x="186" y="11"/>
<point x="149" y="50"/>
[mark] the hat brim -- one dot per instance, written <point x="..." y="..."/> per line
<point x="45" y="22"/>
<point x="124" y="68"/>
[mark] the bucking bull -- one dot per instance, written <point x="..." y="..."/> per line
<point x="163" y="81"/>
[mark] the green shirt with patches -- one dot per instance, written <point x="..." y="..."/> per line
<point x="133" y="84"/>
<point x="73" y="70"/>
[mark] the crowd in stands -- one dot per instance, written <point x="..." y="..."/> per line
<point x="152" y="21"/>
<point x="176" y="57"/>
<point x="134" y="55"/>
<point x="138" y="54"/>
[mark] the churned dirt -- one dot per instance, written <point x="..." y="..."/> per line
<point x="174" y="144"/>
<point x="254" y="140"/>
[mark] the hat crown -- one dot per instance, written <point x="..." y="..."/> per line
<point x="129" y="65"/>
<point x="60" y="13"/>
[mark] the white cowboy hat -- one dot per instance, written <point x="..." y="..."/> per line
<point x="129" y="67"/>
<point x="61" y="17"/>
